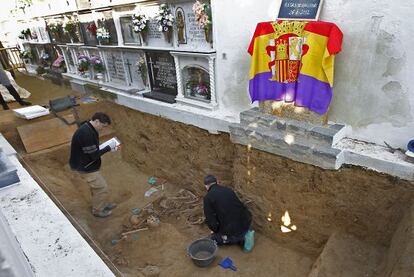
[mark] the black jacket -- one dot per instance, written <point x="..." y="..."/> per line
<point x="85" y="155"/>
<point x="225" y="213"/>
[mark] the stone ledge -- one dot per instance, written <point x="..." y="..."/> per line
<point x="306" y="133"/>
<point x="272" y="142"/>
<point x="377" y="158"/>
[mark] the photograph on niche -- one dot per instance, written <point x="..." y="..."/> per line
<point x="128" y="34"/>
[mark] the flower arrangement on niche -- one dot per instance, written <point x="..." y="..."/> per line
<point x="202" y="90"/>
<point x="97" y="64"/>
<point x="54" y="28"/>
<point x="33" y="35"/>
<point x="83" y="63"/>
<point x="25" y="34"/>
<point x="140" y="25"/>
<point x="70" y="26"/>
<point x="59" y="64"/>
<point x="102" y="34"/>
<point x="202" y="12"/>
<point x="165" y="20"/>
<point x="26" y="55"/>
<point x="142" y="69"/>
<point x="91" y="28"/>
<point x="44" y="56"/>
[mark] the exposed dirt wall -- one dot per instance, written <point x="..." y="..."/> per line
<point x="178" y="152"/>
<point x="361" y="202"/>
<point x="400" y="255"/>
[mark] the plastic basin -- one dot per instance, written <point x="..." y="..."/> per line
<point x="203" y="252"/>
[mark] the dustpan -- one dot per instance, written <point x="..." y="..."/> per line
<point x="227" y="263"/>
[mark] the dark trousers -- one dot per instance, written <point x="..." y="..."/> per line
<point x="13" y="92"/>
<point x="223" y="239"/>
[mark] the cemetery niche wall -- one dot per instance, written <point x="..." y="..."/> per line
<point x="142" y="55"/>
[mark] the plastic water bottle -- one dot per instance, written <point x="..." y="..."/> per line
<point x="248" y="241"/>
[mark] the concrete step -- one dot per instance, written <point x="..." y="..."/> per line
<point x="274" y="142"/>
<point x="346" y="256"/>
<point x="314" y="134"/>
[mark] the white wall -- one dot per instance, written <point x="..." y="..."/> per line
<point x="373" y="87"/>
<point x="374" y="91"/>
<point x="234" y="24"/>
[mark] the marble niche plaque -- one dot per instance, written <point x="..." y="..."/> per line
<point x="44" y="36"/>
<point x="193" y="37"/>
<point x="70" y="63"/>
<point x="115" y="67"/>
<point x="163" y="77"/>
<point x="156" y="38"/>
<point x="128" y="34"/>
<point x="136" y="69"/>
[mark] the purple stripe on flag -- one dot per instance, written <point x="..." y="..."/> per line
<point x="261" y="88"/>
<point x="308" y="92"/>
<point x="313" y="94"/>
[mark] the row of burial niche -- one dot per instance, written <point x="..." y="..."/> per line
<point x="39" y="54"/>
<point x="184" y="27"/>
<point x="99" y="32"/>
<point x="64" y="30"/>
<point x="163" y="79"/>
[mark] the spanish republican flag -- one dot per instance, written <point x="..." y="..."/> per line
<point x="294" y="61"/>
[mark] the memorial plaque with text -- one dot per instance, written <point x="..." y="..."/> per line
<point x="300" y="9"/>
<point x="115" y="66"/>
<point x="162" y="72"/>
<point x="134" y="73"/>
<point x="191" y="35"/>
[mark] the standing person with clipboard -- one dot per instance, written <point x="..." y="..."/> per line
<point x="85" y="159"/>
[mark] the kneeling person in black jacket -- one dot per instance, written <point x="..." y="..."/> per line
<point x="85" y="159"/>
<point x="226" y="216"/>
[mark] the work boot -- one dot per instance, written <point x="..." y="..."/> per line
<point x="248" y="241"/>
<point x="5" y="106"/>
<point x="103" y="213"/>
<point x="24" y="103"/>
<point x="110" y="206"/>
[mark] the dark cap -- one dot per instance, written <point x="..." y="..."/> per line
<point x="210" y="180"/>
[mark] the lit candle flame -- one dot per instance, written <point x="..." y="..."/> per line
<point x="286" y="227"/>
<point x="269" y="217"/>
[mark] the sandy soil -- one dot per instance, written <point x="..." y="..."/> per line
<point x="163" y="246"/>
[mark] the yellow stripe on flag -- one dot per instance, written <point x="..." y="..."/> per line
<point x="317" y="54"/>
<point x="260" y="58"/>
